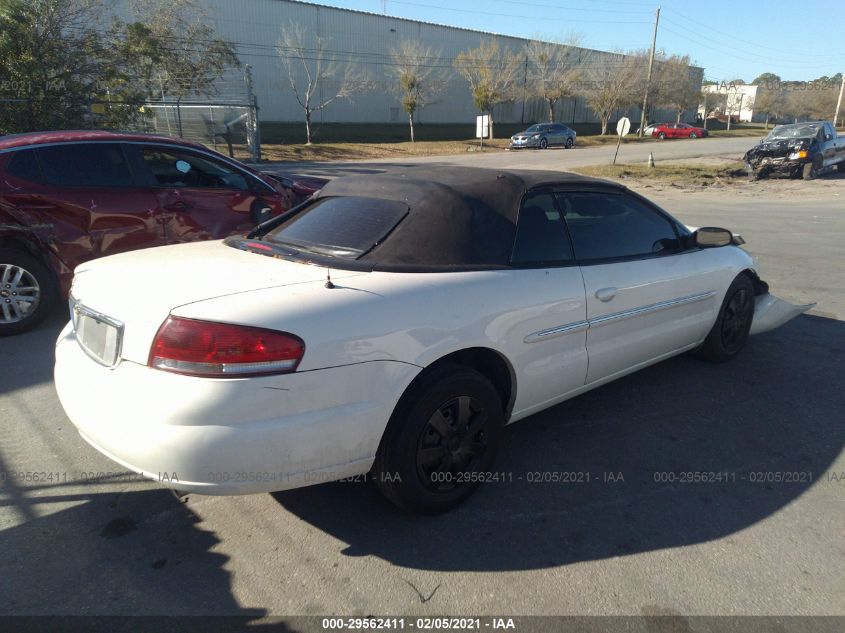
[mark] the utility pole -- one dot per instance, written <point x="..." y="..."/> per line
<point x="839" y="101"/>
<point x="648" y="77"/>
<point x="253" y="137"/>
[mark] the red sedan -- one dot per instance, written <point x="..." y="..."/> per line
<point x="68" y="197"/>
<point x="678" y="130"/>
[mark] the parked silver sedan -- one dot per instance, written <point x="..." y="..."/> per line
<point x="544" y="135"/>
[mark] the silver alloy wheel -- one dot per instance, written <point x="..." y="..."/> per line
<point x="20" y="293"/>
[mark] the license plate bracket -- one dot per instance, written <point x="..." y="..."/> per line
<point x="99" y="336"/>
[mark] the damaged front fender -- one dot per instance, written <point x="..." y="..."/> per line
<point x="771" y="312"/>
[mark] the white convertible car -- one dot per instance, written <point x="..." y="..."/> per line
<point x="392" y="325"/>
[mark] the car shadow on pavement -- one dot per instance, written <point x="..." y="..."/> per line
<point x="110" y="553"/>
<point x="627" y="450"/>
<point x="28" y="358"/>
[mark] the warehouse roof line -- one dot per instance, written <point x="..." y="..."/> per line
<point x="445" y="26"/>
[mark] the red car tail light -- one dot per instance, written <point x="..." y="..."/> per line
<point x="223" y="350"/>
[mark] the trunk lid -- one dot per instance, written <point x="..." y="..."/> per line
<point x="140" y="288"/>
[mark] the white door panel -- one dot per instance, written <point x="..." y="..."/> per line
<point x="547" y="342"/>
<point x="639" y="310"/>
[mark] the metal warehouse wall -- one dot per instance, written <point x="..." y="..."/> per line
<point x="256" y="26"/>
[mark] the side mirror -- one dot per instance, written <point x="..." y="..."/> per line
<point x="712" y="237"/>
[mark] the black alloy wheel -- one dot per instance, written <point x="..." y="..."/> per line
<point x="440" y="440"/>
<point x="736" y="320"/>
<point x="453" y="442"/>
<point x="729" y="333"/>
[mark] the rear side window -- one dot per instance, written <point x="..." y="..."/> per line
<point x="85" y="165"/>
<point x="346" y="227"/>
<point x="607" y="226"/>
<point x="24" y="165"/>
<point x="540" y="232"/>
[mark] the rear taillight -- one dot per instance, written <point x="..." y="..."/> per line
<point x="223" y="350"/>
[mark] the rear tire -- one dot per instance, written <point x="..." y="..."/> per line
<point x="730" y="332"/>
<point x="693" y="135"/>
<point x="445" y="428"/>
<point x="28" y="291"/>
<point x="543" y="143"/>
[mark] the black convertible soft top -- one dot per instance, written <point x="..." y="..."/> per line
<point x="457" y="218"/>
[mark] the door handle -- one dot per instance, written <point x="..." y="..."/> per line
<point x="606" y="294"/>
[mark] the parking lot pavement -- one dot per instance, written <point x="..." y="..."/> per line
<point x="762" y="534"/>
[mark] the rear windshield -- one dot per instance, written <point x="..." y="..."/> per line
<point x="346" y="227"/>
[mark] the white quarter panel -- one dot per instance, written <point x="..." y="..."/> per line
<point x="660" y="305"/>
<point x="231" y="436"/>
<point x="420" y="317"/>
<point x="140" y="288"/>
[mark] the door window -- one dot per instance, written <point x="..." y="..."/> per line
<point x="178" y="169"/>
<point x="24" y="164"/>
<point x="540" y="232"/>
<point x="85" y="165"/>
<point x="610" y="226"/>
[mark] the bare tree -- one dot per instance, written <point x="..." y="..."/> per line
<point x="678" y="88"/>
<point x="418" y="79"/>
<point x="315" y="78"/>
<point x="611" y="86"/>
<point x="823" y="102"/>
<point x="552" y="72"/>
<point x="491" y="74"/>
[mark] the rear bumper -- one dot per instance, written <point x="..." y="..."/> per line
<point x="231" y="436"/>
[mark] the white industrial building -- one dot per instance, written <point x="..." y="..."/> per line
<point x="736" y="100"/>
<point x="367" y="38"/>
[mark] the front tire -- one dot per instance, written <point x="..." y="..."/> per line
<point x="570" y="142"/>
<point x="443" y="434"/>
<point x="730" y="332"/>
<point x="693" y="135"/>
<point x="28" y="291"/>
<point x="661" y="136"/>
<point x="810" y="171"/>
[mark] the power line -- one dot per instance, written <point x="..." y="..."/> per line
<point x="738" y="39"/>
<point x="565" y="8"/>
<point x="388" y="59"/>
<point x="508" y="15"/>
<point x="720" y="47"/>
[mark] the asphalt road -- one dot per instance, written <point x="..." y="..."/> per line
<point x="553" y="159"/>
<point x="627" y="542"/>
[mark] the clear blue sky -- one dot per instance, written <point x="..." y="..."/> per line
<point x="730" y="38"/>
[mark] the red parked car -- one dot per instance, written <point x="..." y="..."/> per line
<point x="678" y="130"/>
<point x="67" y="197"/>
